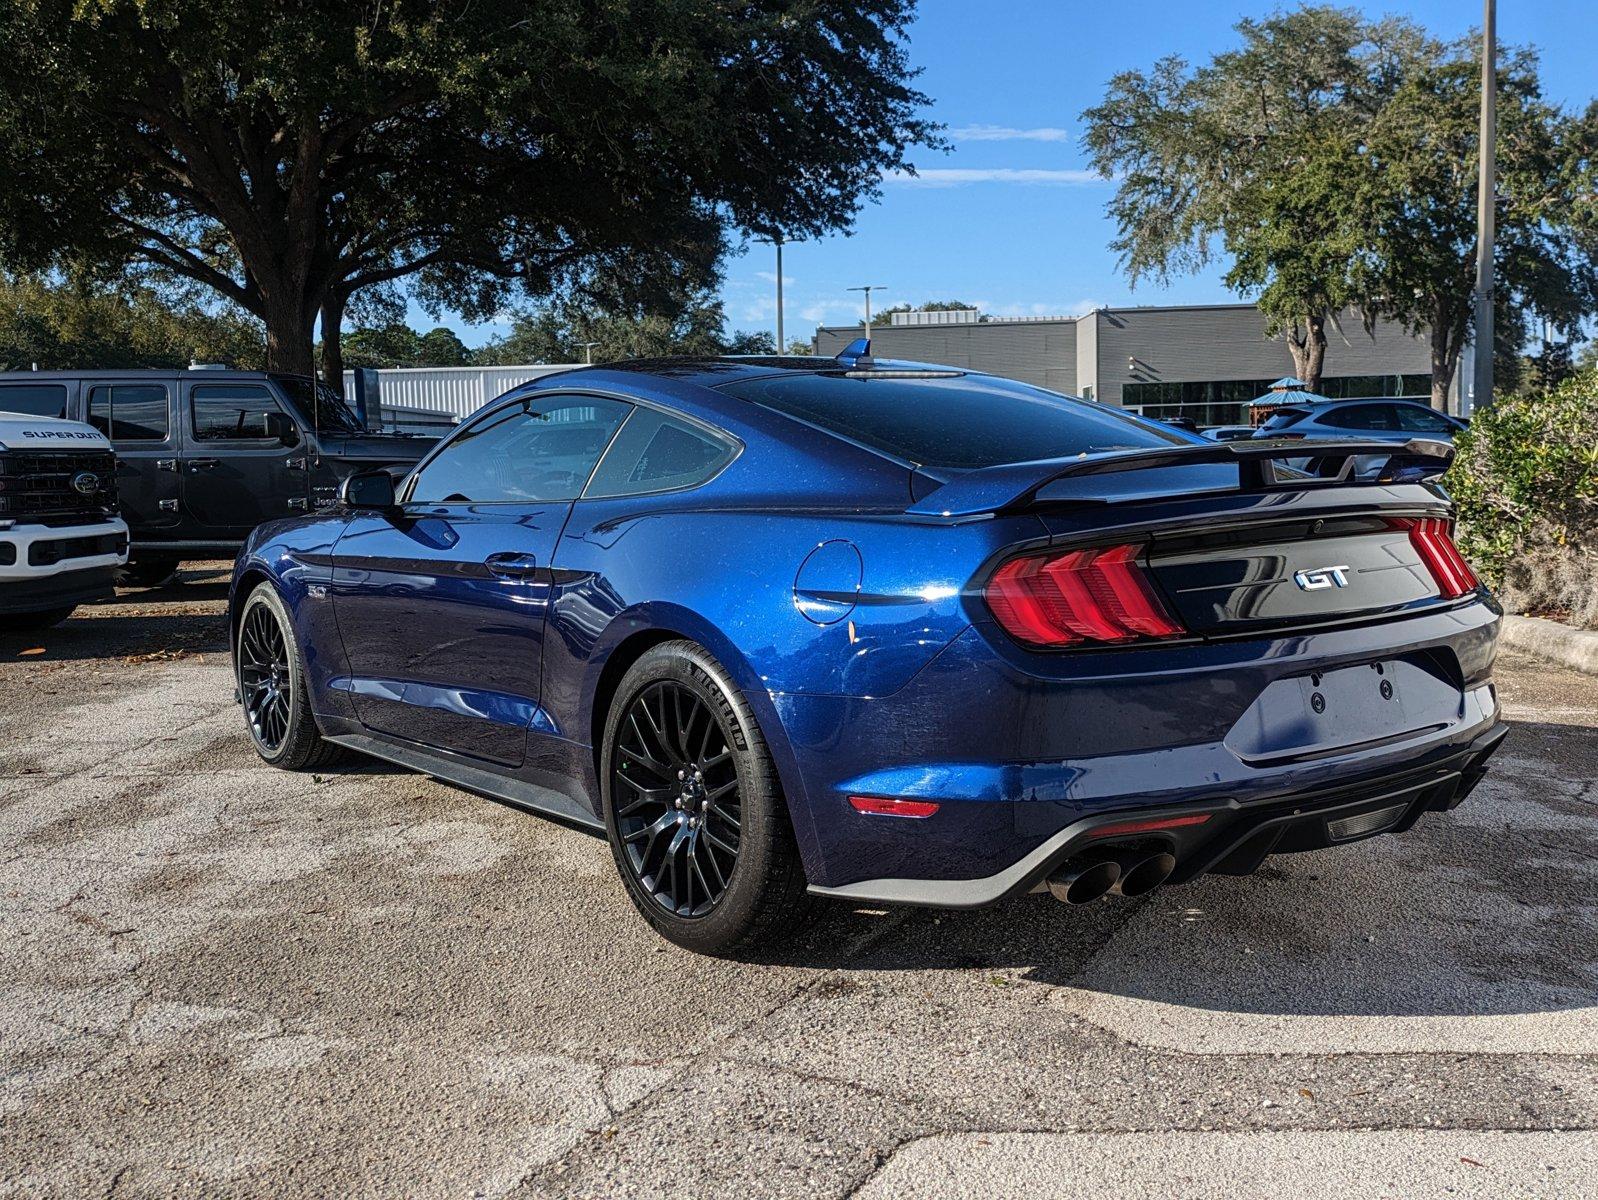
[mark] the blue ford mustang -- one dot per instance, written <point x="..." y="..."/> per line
<point x="881" y="631"/>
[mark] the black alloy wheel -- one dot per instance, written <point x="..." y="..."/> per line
<point x="679" y="809"/>
<point x="266" y="678"/>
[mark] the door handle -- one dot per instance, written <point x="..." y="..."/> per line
<point x="512" y="566"/>
<point x="167" y="505"/>
<point x="204" y="464"/>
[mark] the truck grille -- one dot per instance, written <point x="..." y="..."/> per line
<point x="47" y="483"/>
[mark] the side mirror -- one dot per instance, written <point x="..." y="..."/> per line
<point x="372" y="490"/>
<point x="280" y="427"/>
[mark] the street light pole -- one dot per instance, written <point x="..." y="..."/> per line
<point x="868" y="289"/>
<point x="782" y="344"/>
<point x="1482" y="383"/>
<point x="588" y="352"/>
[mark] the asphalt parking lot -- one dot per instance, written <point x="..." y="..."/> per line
<point x="224" y="980"/>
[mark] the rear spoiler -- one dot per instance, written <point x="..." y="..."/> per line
<point x="1260" y="468"/>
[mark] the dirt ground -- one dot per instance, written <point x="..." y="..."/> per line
<point x="218" y="979"/>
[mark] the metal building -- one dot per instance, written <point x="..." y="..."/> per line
<point x="458" y="391"/>
<point x="1200" y="361"/>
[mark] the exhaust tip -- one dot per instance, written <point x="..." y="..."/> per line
<point x="1082" y="883"/>
<point x="1146" y="874"/>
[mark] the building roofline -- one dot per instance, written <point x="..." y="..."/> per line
<point x="1123" y="308"/>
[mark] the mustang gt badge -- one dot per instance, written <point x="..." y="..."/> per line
<point x="1317" y="578"/>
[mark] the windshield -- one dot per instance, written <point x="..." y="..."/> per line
<point x="319" y="405"/>
<point x="960" y="422"/>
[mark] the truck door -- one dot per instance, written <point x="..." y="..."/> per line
<point x="137" y="417"/>
<point x="244" y="460"/>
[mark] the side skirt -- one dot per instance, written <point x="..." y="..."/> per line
<point x="544" y="801"/>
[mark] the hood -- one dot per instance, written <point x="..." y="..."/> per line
<point x="375" y="447"/>
<point x="19" y="431"/>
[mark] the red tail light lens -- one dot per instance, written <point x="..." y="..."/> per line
<point x="893" y="806"/>
<point x="1095" y="595"/>
<point x="1433" y="541"/>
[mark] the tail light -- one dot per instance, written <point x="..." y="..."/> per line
<point x="1433" y="541"/>
<point x="1096" y="595"/>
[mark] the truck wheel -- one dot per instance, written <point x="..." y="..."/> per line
<point x="147" y="571"/>
<point x="696" y="817"/>
<point x="274" y="688"/>
<point x="31" y="621"/>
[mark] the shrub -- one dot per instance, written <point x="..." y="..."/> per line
<point x="1526" y="483"/>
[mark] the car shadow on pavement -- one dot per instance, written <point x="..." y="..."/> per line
<point x="1483" y="911"/>
<point x="133" y="634"/>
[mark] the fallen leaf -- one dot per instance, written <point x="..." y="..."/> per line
<point x="31" y="650"/>
<point x="1471" y="1161"/>
<point x="1306" y="1093"/>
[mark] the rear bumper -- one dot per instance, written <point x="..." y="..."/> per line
<point x="1025" y="754"/>
<point x="1232" y="838"/>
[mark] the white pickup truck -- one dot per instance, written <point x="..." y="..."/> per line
<point x="61" y="540"/>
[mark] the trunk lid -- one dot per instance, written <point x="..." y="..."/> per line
<point x="1298" y="572"/>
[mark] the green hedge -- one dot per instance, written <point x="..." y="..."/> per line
<point x="1526" y="483"/>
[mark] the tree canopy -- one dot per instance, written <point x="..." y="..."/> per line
<point x="76" y="324"/>
<point x="289" y="155"/>
<point x="690" y="323"/>
<point x="1332" y="159"/>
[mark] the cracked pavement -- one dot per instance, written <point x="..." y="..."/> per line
<point x="219" y="979"/>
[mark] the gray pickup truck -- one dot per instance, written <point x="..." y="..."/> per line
<point x="203" y="456"/>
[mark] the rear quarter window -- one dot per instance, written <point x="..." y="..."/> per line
<point x="961" y="422"/>
<point x="657" y="453"/>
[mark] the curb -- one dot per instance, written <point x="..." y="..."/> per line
<point x="1574" y="648"/>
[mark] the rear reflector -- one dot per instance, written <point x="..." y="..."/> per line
<point x="1153" y="824"/>
<point x="890" y="806"/>
<point x="1431" y="537"/>
<point x="1095" y="595"/>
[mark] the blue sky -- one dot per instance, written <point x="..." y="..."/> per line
<point x="1010" y="219"/>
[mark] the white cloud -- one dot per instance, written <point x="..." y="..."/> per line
<point x="1004" y="133"/>
<point x="838" y="311"/>
<point x="944" y="177"/>
<point x="771" y="277"/>
<point x="1066" y="308"/>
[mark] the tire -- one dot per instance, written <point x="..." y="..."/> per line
<point x="735" y="801"/>
<point x="147" y="571"/>
<point x="270" y="671"/>
<point x="32" y="622"/>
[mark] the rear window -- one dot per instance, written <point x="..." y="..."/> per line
<point x="1283" y="417"/>
<point x="963" y="422"/>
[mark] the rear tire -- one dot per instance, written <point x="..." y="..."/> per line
<point x="32" y="622"/>
<point x="147" y="571"/>
<point x="270" y="671"/>
<point x="695" y="814"/>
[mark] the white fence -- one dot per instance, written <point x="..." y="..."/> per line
<point x="459" y="391"/>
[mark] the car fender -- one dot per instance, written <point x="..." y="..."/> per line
<point x="654" y="618"/>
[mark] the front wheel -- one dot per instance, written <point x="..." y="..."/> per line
<point x="272" y="685"/>
<point x="694" y="812"/>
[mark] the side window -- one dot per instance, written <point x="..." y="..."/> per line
<point x="532" y="451"/>
<point x="1415" y="419"/>
<point x="234" y="412"/>
<point x="655" y="453"/>
<point x="34" y="399"/>
<point x="128" y="412"/>
<point x="1360" y="416"/>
